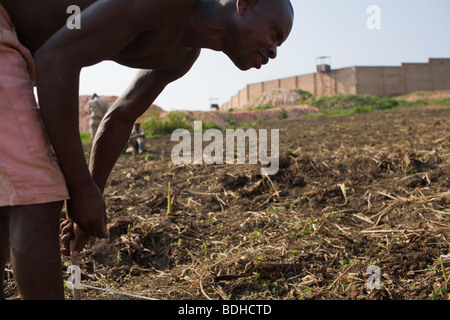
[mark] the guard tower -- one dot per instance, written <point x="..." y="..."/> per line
<point x="212" y="105"/>
<point x="323" y="67"/>
<point x="323" y="64"/>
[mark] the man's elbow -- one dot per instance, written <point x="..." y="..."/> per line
<point x="43" y="59"/>
<point x="53" y="65"/>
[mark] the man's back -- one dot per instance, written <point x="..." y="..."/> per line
<point x="36" y="22"/>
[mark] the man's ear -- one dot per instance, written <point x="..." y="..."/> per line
<point x="243" y="6"/>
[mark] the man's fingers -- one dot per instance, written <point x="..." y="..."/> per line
<point x="65" y="252"/>
<point x="97" y="229"/>
<point x="103" y="233"/>
<point x="78" y="244"/>
<point x="100" y="229"/>
<point x="66" y="236"/>
<point x="65" y="223"/>
<point x="66" y="227"/>
<point x="65" y="240"/>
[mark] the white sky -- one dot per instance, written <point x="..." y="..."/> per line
<point x="411" y="31"/>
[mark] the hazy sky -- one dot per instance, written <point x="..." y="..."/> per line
<point x="411" y="31"/>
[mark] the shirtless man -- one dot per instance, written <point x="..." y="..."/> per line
<point x="163" y="38"/>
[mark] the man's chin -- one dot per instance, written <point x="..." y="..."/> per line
<point x="245" y="67"/>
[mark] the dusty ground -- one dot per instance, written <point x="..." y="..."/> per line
<point x="351" y="192"/>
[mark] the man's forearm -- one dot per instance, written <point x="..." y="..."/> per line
<point x="112" y="135"/>
<point x="117" y="125"/>
<point x="58" y="100"/>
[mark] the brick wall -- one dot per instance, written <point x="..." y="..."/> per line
<point x="380" y="81"/>
<point x="416" y="77"/>
<point x="440" y="74"/>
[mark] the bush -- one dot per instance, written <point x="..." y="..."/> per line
<point x="283" y="114"/>
<point x="209" y="125"/>
<point x="85" y="137"/>
<point x="306" y="96"/>
<point x="155" y="126"/>
<point x="230" y="120"/>
<point x="355" y="103"/>
<point x="262" y="107"/>
<point x="441" y="101"/>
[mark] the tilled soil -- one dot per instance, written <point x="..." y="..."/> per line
<point x="353" y="194"/>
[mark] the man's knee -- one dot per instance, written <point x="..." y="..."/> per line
<point x="35" y="250"/>
<point x="35" y="227"/>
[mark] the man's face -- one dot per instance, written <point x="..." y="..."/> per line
<point x="256" y="35"/>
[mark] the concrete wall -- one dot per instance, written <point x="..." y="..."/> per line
<point x="440" y="73"/>
<point x="243" y="96"/>
<point x="345" y="80"/>
<point x="369" y="80"/>
<point x="307" y="82"/>
<point x="379" y="81"/>
<point x="416" y="77"/>
<point x="393" y="84"/>
<point x="289" y="83"/>
<point x="255" y="90"/>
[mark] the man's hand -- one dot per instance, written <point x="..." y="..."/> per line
<point x="86" y="217"/>
<point x="86" y="208"/>
<point x="73" y="238"/>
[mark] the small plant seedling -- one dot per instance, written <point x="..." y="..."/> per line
<point x="169" y="201"/>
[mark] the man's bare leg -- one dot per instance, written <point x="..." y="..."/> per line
<point x="35" y="250"/>
<point x="4" y="245"/>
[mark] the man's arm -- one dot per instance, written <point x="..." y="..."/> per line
<point x="117" y="125"/>
<point x="115" y="128"/>
<point x="58" y="64"/>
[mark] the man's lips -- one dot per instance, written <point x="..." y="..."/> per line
<point x="262" y="59"/>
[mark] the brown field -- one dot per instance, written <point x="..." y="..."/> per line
<point x="351" y="192"/>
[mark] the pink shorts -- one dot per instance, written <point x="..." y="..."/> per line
<point x="29" y="172"/>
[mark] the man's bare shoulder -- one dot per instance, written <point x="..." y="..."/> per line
<point x="143" y="12"/>
<point x="161" y="10"/>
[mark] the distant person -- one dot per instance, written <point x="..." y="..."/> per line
<point x="137" y="140"/>
<point x="97" y="108"/>
<point x="39" y="45"/>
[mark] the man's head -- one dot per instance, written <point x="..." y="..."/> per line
<point x="255" y="31"/>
